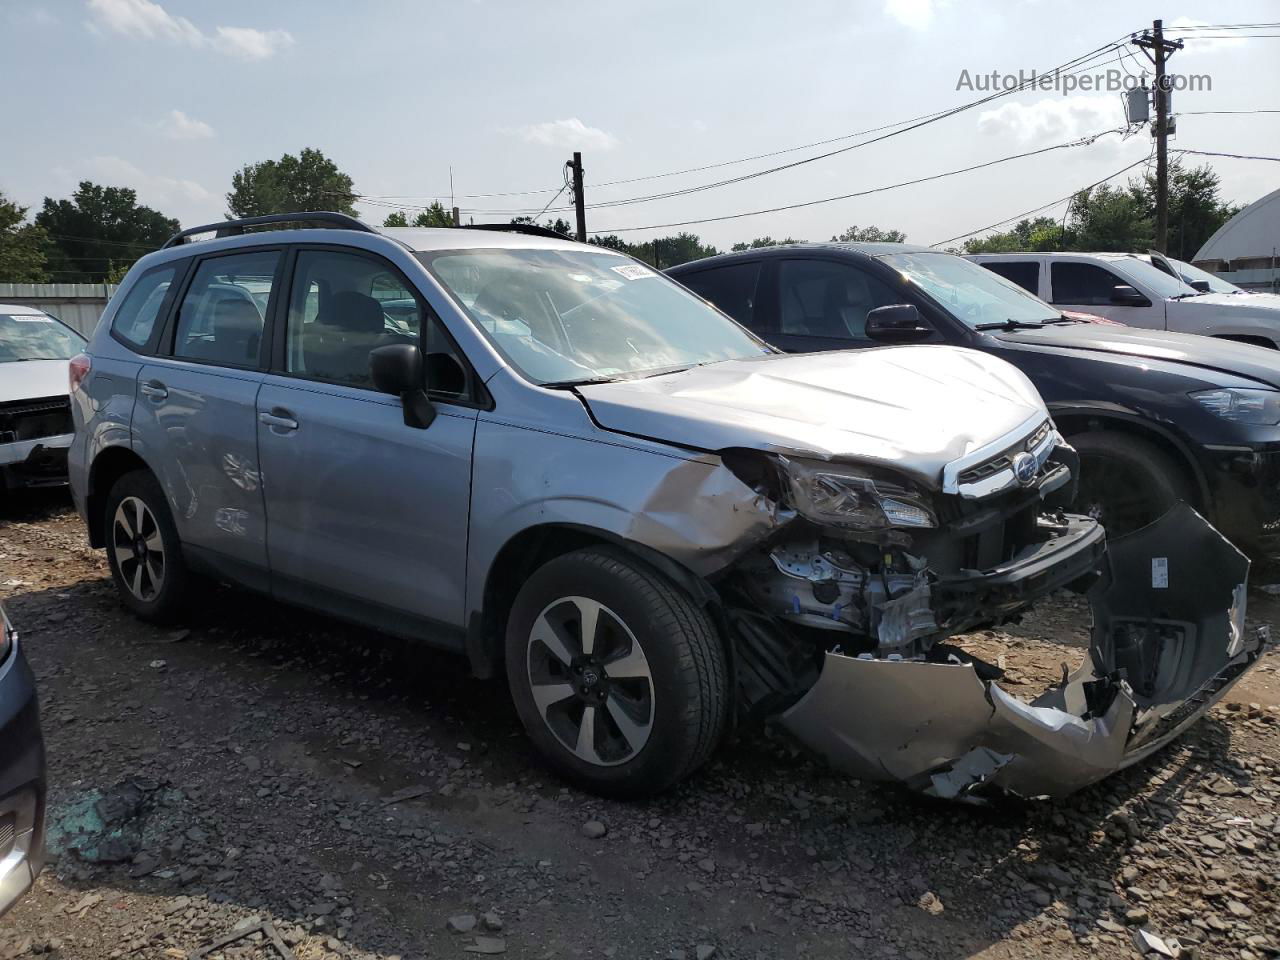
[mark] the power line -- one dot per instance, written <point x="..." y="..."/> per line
<point x="1052" y="203"/>
<point x="1084" y="141"/>
<point x="1233" y="156"/>
<point x="1211" y="113"/>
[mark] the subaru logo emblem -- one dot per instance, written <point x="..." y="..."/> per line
<point x="1025" y="468"/>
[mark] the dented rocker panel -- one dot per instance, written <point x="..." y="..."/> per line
<point x="940" y="729"/>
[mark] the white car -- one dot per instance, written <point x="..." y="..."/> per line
<point x="35" y="409"/>
<point x="1129" y="289"/>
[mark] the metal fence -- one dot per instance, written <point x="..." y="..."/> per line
<point x="79" y="305"/>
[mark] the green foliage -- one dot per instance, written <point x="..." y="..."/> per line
<point x="559" y="224"/>
<point x="434" y="216"/>
<point x="23" y="246"/>
<point x="309" y="181"/>
<point x="759" y="242"/>
<point x="1122" y="219"/>
<point x="100" y="230"/>
<point x="871" y="234"/>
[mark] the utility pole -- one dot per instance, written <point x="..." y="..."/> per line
<point x="1157" y="50"/>
<point x="457" y="220"/>
<point x="579" y="201"/>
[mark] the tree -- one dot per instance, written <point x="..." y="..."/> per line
<point x="23" y="246"/>
<point x="559" y="225"/>
<point x="871" y="234"/>
<point x="99" y="231"/>
<point x="1042" y="234"/>
<point x="1195" y="209"/>
<point x="759" y="242"/>
<point x="1110" y="218"/>
<point x="309" y="181"/>
<point x="433" y="216"/>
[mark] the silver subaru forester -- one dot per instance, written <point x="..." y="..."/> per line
<point x="552" y="459"/>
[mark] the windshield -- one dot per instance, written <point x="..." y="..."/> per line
<point x="1215" y="282"/>
<point x="1143" y="274"/>
<point x="564" y="316"/>
<point x="36" y="336"/>
<point x="971" y="293"/>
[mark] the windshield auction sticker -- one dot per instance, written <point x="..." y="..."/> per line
<point x="633" y="271"/>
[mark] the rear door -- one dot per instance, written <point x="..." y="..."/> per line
<point x="1089" y="287"/>
<point x="195" y="419"/>
<point x="367" y="516"/>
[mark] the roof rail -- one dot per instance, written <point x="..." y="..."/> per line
<point x="530" y="229"/>
<point x="234" y="228"/>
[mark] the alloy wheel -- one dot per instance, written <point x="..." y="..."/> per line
<point x="590" y="681"/>
<point x="138" y="549"/>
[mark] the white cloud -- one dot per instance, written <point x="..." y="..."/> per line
<point x="1194" y="43"/>
<point x="178" y="126"/>
<point x="571" y="133"/>
<point x="1053" y="119"/>
<point x="150" y="21"/>
<point x="153" y="191"/>
<point x="249" y="44"/>
<point x="916" y="14"/>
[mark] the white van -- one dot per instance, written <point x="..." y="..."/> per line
<point x="1129" y="289"/>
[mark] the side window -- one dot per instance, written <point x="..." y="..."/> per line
<point x="1025" y="273"/>
<point x="221" y="317"/>
<point x="344" y="305"/>
<point x="731" y="288"/>
<point x="135" y="321"/>
<point x="1083" y="283"/>
<point x="820" y="298"/>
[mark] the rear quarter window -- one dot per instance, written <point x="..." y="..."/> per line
<point x="135" y="321"/>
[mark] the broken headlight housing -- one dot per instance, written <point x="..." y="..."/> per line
<point x="843" y="496"/>
<point x="1242" y="405"/>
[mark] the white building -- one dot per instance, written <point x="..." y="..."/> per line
<point x="1246" y="249"/>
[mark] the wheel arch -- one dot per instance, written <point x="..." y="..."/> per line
<point x="1076" y="420"/>
<point x="531" y="548"/>
<point x="107" y="467"/>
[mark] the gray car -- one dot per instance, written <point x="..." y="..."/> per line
<point x="554" y="460"/>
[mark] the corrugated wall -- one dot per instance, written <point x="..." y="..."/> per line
<point x="76" y="304"/>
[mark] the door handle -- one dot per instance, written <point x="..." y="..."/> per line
<point x="154" y="389"/>
<point x="278" y="419"/>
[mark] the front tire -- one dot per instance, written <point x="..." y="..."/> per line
<point x="1126" y="482"/>
<point x="618" y="676"/>
<point x="143" y="549"/>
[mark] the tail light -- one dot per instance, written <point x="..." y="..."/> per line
<point x="78" y="370"/>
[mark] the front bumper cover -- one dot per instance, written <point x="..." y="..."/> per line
<point x="1168" y="641"/>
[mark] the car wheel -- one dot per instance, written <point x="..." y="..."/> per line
<point x="618" y="676"/>
<point x="1125" y="482"/>
<point x="143" y="549"/>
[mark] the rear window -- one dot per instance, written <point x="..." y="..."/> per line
<point x="731" y="288"/>
<point x="36" y="336"/>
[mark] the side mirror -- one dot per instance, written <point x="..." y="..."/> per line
<point x="1199" y="286"/>
<point x="1123" y="295"/>
<point x="897" y="323"/>
<point x="398" y="369"/>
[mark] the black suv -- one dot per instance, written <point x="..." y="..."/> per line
<point x="1157" y="417"/>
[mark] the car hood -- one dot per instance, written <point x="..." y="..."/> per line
<point x="28" y="379"/>
<point x="1216" y="307"/>
<point x="913" y="408"/>
<point x="1210" y="353"/>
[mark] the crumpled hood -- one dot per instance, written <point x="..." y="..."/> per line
<point x="29" y="379"/>
<point x="1213" y="353"/>
<point x="915" y="408"/>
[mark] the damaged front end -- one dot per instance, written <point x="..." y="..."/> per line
<point x="1168" y="640"/>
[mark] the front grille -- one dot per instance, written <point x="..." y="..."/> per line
<point x="1004" y="460"/>
<point x="33" y="419"/>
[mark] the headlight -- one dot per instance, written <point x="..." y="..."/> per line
<point x="1242" y="406"/>
<point x="831" y="494"/>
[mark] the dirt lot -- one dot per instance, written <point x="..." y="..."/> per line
<point x="367" y="799"/>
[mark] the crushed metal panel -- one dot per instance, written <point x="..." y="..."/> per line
<point x="1168" y="642"/>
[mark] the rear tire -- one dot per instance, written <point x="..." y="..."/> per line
<point x="143" y="549"/>
<point x="631" y="706"/>
<point x="1126" y="482"/>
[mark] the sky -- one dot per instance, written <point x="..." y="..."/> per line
<point x="460" y="99"/>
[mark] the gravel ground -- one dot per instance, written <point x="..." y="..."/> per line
<point x="364" y="798"/>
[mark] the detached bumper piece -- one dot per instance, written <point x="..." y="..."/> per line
<point x="1168" y="641"/>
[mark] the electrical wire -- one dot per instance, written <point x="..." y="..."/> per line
<point x="1084" y="141"/>
<point x="1052" y="203"/>
<point x="1233" y="156"/>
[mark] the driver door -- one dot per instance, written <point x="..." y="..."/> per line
<point x="1088" y="287"/>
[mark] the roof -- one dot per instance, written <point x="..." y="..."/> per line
<point x="460" y="238"/>
<point x="1250" y="233"/>
<point x="1023" y="254"/>
<point x="866" y="249"/>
